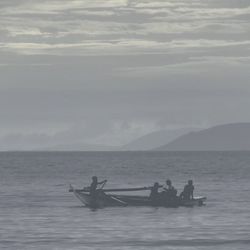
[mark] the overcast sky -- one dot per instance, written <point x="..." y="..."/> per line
<point x="107" y="71"/>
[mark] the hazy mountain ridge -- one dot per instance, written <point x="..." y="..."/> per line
<point x="155" y="139"/>
<point x="228" y="137"/>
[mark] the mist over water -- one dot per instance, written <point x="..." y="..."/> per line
<point x="38" y="212"/>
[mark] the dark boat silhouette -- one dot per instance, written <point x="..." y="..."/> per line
<point x="107" y="198"/>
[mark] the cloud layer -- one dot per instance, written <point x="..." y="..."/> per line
<point x="120" y="27"/>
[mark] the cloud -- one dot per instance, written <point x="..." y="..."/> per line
<point x="216" y="65"/>
<point x="117" y="47"/>
<point x="190" y="14"/>
<point x="50" y="25"/>
<point x="162" y="3"/>
<point x="55" y="7"/>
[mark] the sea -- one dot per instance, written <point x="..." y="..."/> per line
<point x="38" y="212"/>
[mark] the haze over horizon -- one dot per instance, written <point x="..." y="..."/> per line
<point x="109" y="71"/>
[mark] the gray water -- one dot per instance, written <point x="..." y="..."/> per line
<point x="38" y="212"/>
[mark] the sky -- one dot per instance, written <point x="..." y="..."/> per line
<point x="108" y="71"/>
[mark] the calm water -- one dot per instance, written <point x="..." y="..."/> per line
<point x="38" y="212"/>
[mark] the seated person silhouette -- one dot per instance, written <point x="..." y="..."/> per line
<point x="169" y="189"/>
<point x="93" y="191"/>
<point x="154" y="195"/>
<point x="188" y="192"/>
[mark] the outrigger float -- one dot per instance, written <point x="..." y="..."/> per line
<point x="107" y="198"/>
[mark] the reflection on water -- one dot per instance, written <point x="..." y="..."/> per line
<point x="37" y="212"/>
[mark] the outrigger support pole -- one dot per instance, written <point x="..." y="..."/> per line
<point x="117" y="189"/>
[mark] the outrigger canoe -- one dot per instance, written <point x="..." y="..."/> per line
<point x="118" y="200"/>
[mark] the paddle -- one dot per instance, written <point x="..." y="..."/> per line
<point x="103" y="184"/>
<point x="118" y="200"/>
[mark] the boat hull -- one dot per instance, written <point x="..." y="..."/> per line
<point x="101" y="200"/>
<point x="115" y="200"/>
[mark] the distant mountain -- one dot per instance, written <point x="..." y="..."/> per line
<point x="229" y="137"/>
<point x="155" y="139"/>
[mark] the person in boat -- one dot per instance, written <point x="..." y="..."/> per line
<point x="93" y="186"/>
<point x="154" y="195"/>
<point x="188" y="192"/>
<point x="169" y="189"/>
<point x="169" y="194"/>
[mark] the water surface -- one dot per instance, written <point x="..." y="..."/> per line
<point x="38" y="212"/>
